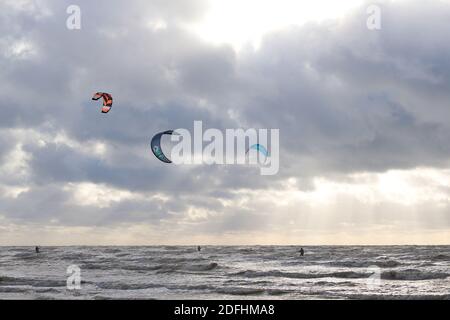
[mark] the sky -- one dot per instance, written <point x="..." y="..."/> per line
<point x="363" y="118"/>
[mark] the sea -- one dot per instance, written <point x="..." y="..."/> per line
<point x="225" y="272"/>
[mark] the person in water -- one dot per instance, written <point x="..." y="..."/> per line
<point x="37" y="249"/>
<point x="199" y="249"/>
<point x="302" y="252"/>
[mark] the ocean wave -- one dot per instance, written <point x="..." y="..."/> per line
<point x="27" y="256"/>
<point x="278" y="292"/>
<point x="177" y="260"/>
<point x="48" y="290"/>
<point x="126" y="286"/>
<point x="159" y="268"/>
<point x="412" y="274"/>
<point x="336" y="284"/>
<point x="100" y="266"/>
<point x="440" y="257"/>
<point x="200" y="267"/>
<point x="119" y="266"/>
<point x="246" y="281"/>
<point x="142" y="268"/>
<point x="366" y="264"/>
<point x="297" y="275"/>
<point x="189" y="268"/>
<point x="246" y="250"/>
<point x="241" y="291"/>
<point x="398" y="297"/>
<point x="13" y="281"/>
<point x="124" y="254"/>
<point x="251" y="291"/>
<point x="409" y="274"/>
<point x="77" y="256"/>
<point x="112" y="250"/>
<point x="13" y="290"/>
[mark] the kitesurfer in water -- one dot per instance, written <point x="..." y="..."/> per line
<point x="302" y="252"/>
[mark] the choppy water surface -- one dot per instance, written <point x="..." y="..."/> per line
<point x="405" y="272"/>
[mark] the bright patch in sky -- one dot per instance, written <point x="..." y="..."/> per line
<point x="239" y="22"/>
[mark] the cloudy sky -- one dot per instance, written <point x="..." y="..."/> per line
<point x="364" y="119"/>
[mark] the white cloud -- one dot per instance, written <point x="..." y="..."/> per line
<point x="101" y="196"/>
<point x="238" y="22"/>
<point x="16" y="163"/>
<point x="18" y="49"/>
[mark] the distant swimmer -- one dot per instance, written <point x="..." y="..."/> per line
<point x="37" y="249"/>
<point x="199" y="249"/>
<point x="302" y="252"/>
